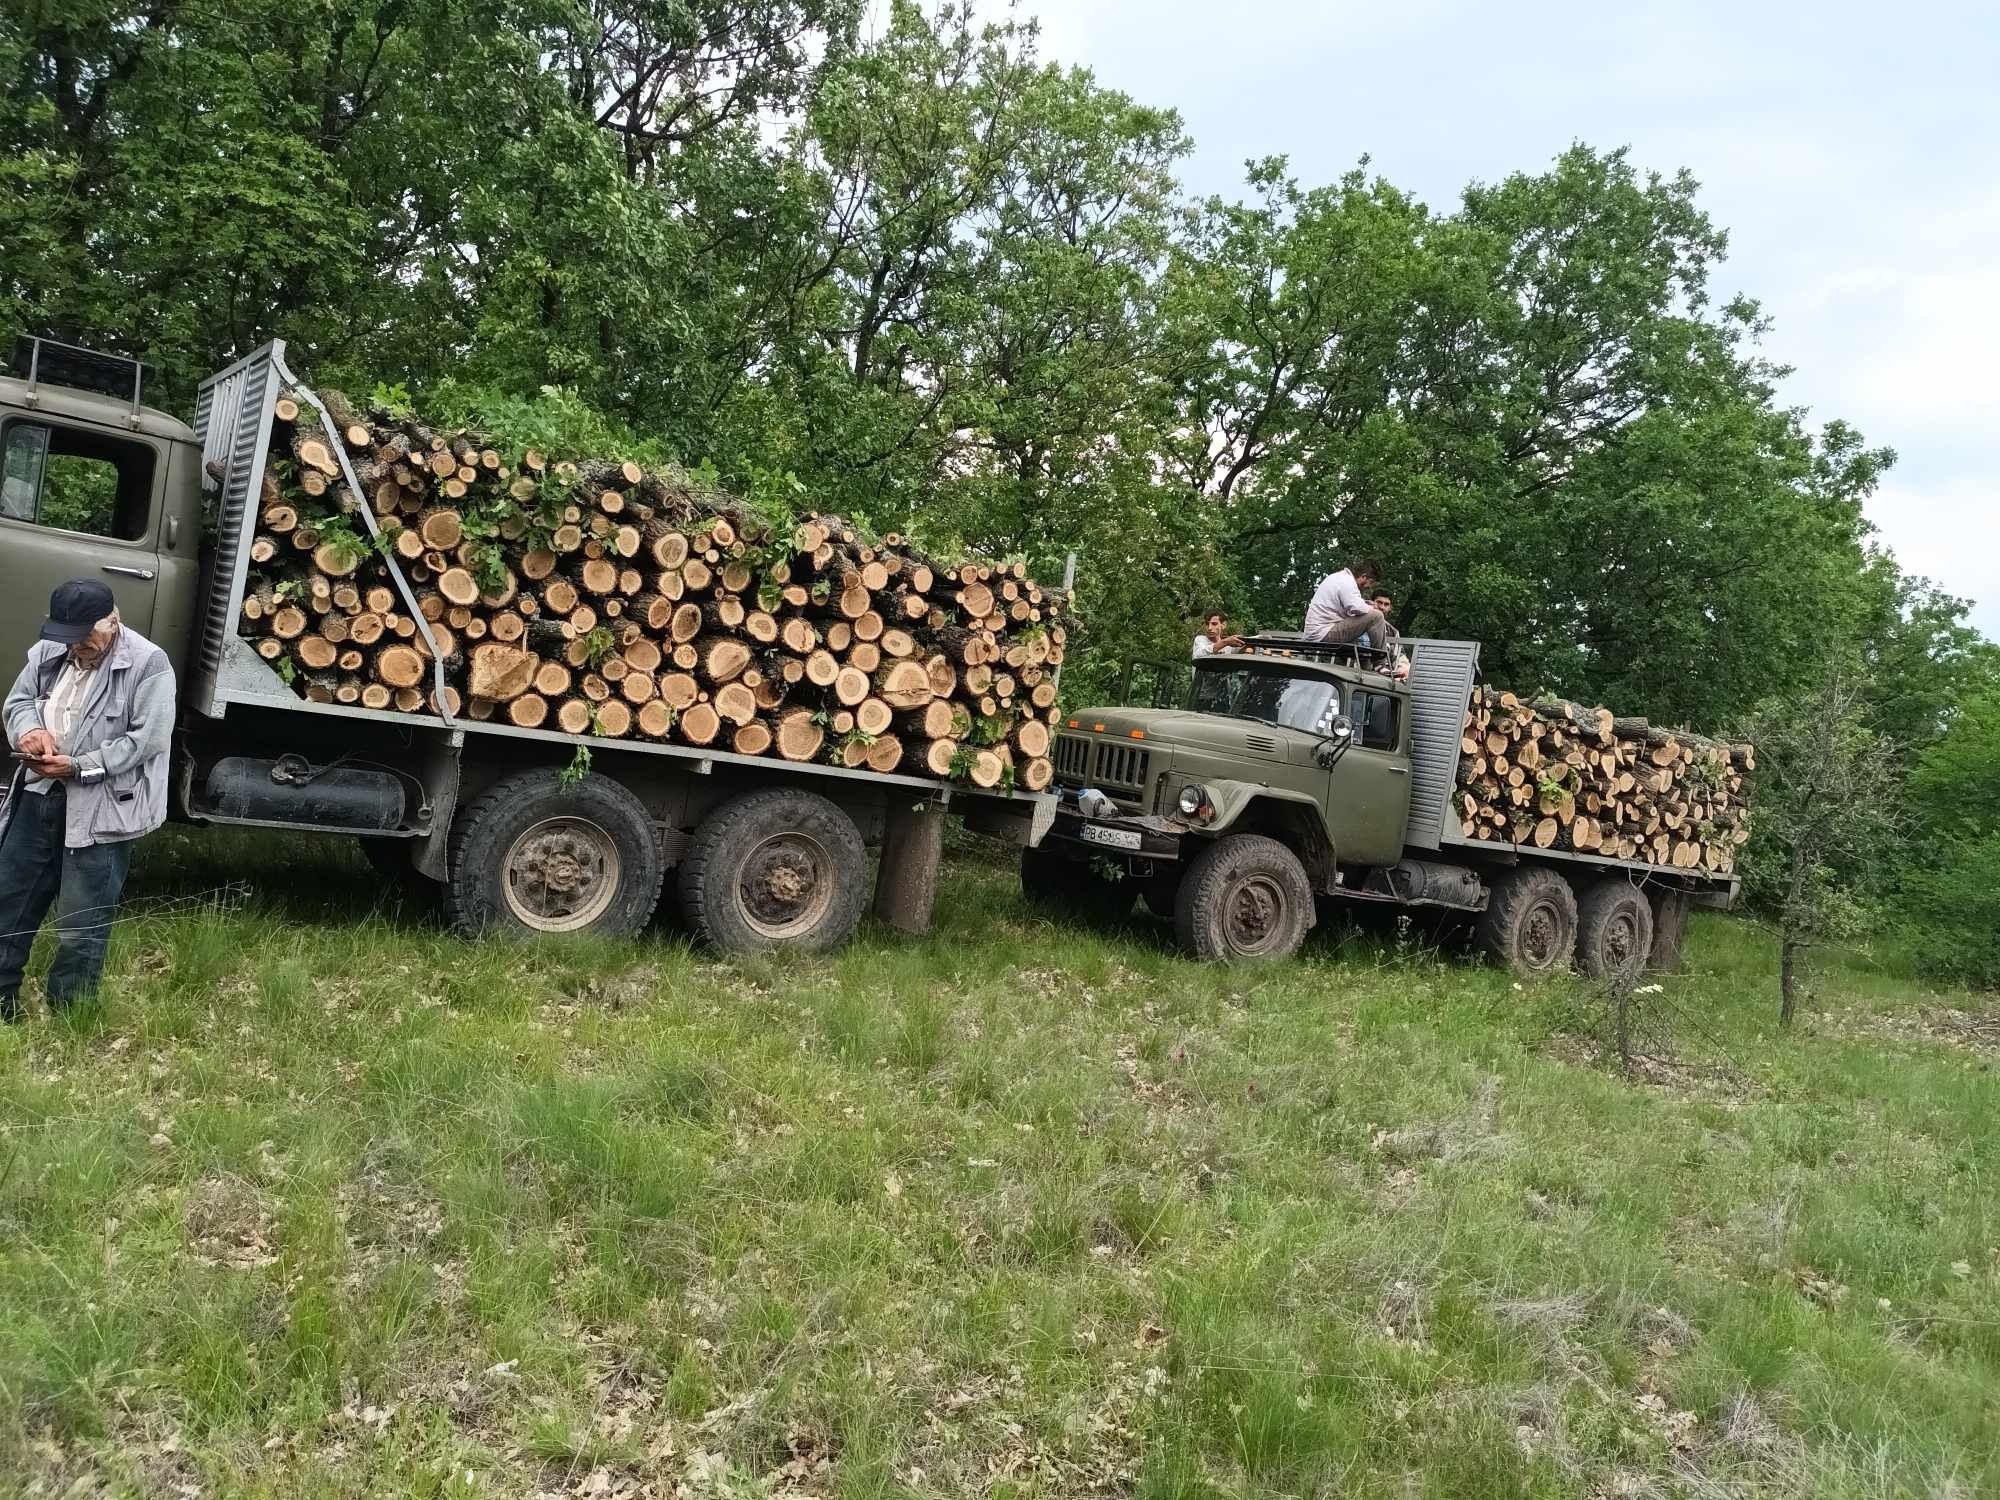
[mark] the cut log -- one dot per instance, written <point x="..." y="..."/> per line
<point x="937" y="756"/>
<point x="500" y="672"/>
<point x="904" y="684"/>
<point x="458" y="586"/>
<point x="753" y="738"/>
<point x="798" y="737"/>
<point x="873" y="716"/>
<point x="399" y="666"/>
<point x="722" y="658"/>
<point x="735" y="704"/>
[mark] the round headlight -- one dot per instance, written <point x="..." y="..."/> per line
<point x="1193" y="798"/>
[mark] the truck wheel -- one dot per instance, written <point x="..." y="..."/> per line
<point x="1245" y="896"/>
<point x="530" y="856"/>
<point x="779" y="868"/>
<point x="1066" y="886"/>
<point x="1614" y="930"/>
<point x="1530" y="922"/>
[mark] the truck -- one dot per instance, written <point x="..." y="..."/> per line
<point x="503" y="823"/>
<point x="1298" y="775"/>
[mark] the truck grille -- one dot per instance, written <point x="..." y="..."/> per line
<point x="1107" y="764"/>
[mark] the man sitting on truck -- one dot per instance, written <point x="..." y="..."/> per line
<point x="89" y="721"/>
<point x="1340" y="611"/>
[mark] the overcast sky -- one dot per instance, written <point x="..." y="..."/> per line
<point x="1852" y="151"/>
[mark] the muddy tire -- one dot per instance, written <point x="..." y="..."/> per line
<point x="530" y="856"/>
<point x="1245" y="896"/>
<point x="1065" y="886"/>
<point x="775" y="869"/>
<point x="1530" y="922"/>
<point x="1614" y="931"/>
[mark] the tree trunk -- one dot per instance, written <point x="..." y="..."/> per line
<point x="912" y="851"/>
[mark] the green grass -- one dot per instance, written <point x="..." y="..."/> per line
<point x="323" y="1201"/>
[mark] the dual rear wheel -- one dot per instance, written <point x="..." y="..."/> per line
<point x="1536" y="924"/>
<point x="774" y="868"/>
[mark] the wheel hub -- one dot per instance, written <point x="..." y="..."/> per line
<point x="786" y="884"/>
<point x="1253" y="914"/>
<point x="1541" y="936"/>
<point x="561" y="874"/>
<point x="1621" y="943"/>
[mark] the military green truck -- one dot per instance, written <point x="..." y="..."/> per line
<point x="1297" y="775"/>
<point x="765" y="853"/>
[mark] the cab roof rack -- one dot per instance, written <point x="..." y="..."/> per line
<point x="1291" y="643"/>
<point x="37" y="359"/>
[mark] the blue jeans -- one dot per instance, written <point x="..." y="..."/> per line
<point x="83" y="885"/>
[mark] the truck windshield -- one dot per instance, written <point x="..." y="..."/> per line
<point x="1271" y="696"/>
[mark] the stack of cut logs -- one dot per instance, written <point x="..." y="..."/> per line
<point x="600" y="598"/>
<point x="1550" y="774"/>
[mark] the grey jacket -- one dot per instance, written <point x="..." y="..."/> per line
<point x="126" y="727"/>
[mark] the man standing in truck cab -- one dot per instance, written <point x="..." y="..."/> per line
<point x="89" y="721"/>
<point x="1340" y="611"/>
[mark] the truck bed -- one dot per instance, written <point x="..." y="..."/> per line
<point x="233" y="417"/>
<point x="1442" y="675"/>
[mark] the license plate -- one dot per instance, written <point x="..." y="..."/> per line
<point x="1116" y="838"/>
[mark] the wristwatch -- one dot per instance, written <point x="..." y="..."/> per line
<point x="89" y="773"/>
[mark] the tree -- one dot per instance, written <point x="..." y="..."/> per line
<point x="1951" y="889"/>
<point x="1826" y="816"/>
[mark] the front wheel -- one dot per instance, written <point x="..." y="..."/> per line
<point x="533" y="856"/>
<point x="780" y="868"/>
<point x="1245" y="896"/>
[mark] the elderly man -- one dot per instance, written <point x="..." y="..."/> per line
<point x="89" y="720"/>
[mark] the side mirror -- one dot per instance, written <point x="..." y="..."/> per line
<point x="1339" y="734"/>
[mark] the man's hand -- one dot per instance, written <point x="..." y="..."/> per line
<point x="38" y="743"/>
<point x="55" y="767"/>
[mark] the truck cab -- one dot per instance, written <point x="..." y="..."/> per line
<point x="95" y="484"/>
<point x="1285" y="777"/>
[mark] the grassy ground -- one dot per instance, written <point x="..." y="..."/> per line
<point x="322" y="1201"/>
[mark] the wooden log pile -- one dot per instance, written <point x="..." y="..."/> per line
<point x="597" y="597"/>
<point x="1549" y="774"/>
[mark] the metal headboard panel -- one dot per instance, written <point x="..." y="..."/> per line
<point x="232" y="420"/>
<point x="1441" y="678"/>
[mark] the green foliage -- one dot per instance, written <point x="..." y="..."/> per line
<point x="392" y="400"/>
<point x="570" y="777"/>
<point x="338" y="532"/>
<point x="1951" y="889"/>
<point x="988" y="729"/>
<point x="488" y="566"/>
<point x="598" y="644"/>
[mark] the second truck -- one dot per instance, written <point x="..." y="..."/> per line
<point x="1294" y="776"/>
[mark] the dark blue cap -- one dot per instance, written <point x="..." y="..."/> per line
<point x="75" y="608"/>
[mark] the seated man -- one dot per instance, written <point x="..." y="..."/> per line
<point x="1340" y="612"/>
<point x="1215" y="636"/>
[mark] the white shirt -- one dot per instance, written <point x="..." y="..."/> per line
<point x="1203" y="646"/>
<point x="61" y="708"/>
<point x="1338" y="597"/>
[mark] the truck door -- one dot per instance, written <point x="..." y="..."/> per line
<point x="1368" y="794"/>
<point x="75" y="502"/>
